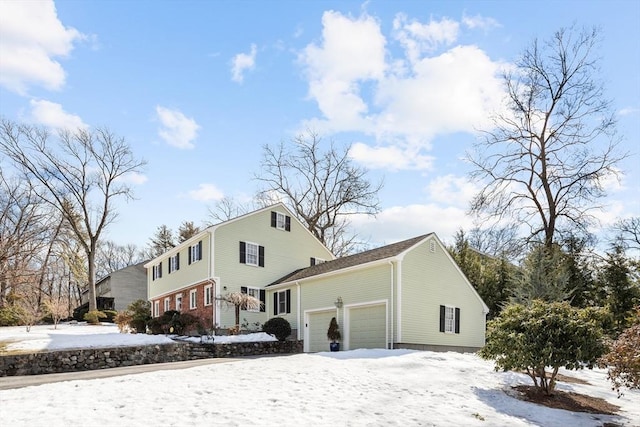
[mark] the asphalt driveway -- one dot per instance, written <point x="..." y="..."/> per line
<point x="11" y="382"/>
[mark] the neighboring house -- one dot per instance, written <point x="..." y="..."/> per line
<point x="243" y="254"/>
<point x="120" y="288"/>
<point x="409" y="294"/>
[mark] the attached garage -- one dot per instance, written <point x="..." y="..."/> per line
<point x="317" y="323"/>
<point x="367" y="326"/>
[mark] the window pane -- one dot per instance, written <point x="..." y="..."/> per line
<point x="252" y="254"/>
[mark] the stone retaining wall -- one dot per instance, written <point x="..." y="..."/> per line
<point x="100" y="358"/>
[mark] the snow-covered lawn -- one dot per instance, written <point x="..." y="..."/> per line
<point x="361" y="387"/>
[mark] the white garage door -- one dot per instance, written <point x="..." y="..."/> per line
<point x="318" y="323"/>
<point x="367" y="327"/>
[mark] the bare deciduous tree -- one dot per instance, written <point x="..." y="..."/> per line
<point x="80" y="173"/>
<point x="629" y="232"/>
<point x="545" y="161"/>
<point x="321" y="186"/>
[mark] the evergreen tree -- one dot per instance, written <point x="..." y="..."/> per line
<point x="621" y="290"/>
<point x="543" y="276"/>
<point x="161" y="242"/>
<point x="580" y="275"/>
<point x="186" y="231"/>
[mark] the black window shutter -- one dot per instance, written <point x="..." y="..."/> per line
<point x="178" y="261"/>
<point x="243" y="252"/>
<point x="274" y="219"/>
<point x="160" y="270"/>
<point x="275" y="303"/>
<point x="442" y="318"/>
<point x="288" y="300"/>
<point x="153" y="273"/>
<point x="189" y="255"/>
<point x="243" y="290"/>
<point x="263" y="300"/>
<point x="457" y="320"/>
<point x="287" y="223"/>
<point x="312" y="261"/>
<point x="200" y="250"/>
<point x="261" y="256"/>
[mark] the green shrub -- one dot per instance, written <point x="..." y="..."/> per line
<point x="541" y="334"/>
<point x="93" y="317"/>
<point x="111" y="315"/>
<point x="174" y="322"/>
<point x="278" y="327"/>
<point x="8" y="316"/>
<point x="79" y="312"/>
<point x="140" y="315"/>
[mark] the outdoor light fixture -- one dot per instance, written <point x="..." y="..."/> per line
<point x="338" y="302"/>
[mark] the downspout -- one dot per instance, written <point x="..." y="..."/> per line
<point x="392" y="300"/>
<point x="299" y="298"/>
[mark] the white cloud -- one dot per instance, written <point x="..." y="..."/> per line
<point x="479" y="22"/>
<point x="134" y="178"/>
<point x="404" y="103"/>
<point x="390" y="157"/>
<point x="177" y="129"/>
<point x="31" y="36"/>
<point x="352" y="51"/>
<point x="403" y="222"/>
<point x="53" y="115"/>
<point x="452" y="190"/>
<point x="418" y="38"/>
<point x="242" y="62"/>
<point x="206" y="193"/>
<point x="628" y="111"/>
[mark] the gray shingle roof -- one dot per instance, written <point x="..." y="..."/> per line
<point x="377" y="254"/>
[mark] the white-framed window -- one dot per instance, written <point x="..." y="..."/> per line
<point x="195" y="252"/>
<point x="167" y="303"/>
<point x="254" y="292"/>
<point x="156" y="308"/>
<point x="157" y="271"/>
<point x="178" y="302"/>
<point x="280" y="221"/>
<point x="449" y="319"/>
<point x="282" y="302"/>
<point x="174" y="263"/>
<point x="252" y="254"/>
<point x="208" y="295"/>
<point x="193" y="299"/>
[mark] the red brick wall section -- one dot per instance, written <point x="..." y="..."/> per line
<point x="203" y="312"/>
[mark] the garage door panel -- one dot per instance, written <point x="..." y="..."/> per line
<point x="367" y="327"/>
<point x="318" y="323"/>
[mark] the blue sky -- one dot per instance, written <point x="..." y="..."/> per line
<point x="197" y="88"/>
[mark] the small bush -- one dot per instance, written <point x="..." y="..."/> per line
<point x="174" y="322"/>
<point x="623" y="360"/>
<point x="123" y="320"/>
<point x="93" y="317"/>
<point x="79" y="312"/>
<point x="111" y="315"/>
<point x="8" y="317"/>
<point x="141" y="314"/>
<point x="278" y="327"/>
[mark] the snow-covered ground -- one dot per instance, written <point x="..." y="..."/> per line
<point x="361" y="387"/>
